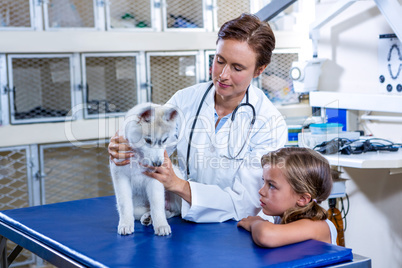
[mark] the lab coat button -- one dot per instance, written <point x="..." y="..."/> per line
<point x="211" y="148"/>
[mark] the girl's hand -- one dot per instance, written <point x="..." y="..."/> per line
<point x="247" y="222"/>
<point x="119" y="150"/>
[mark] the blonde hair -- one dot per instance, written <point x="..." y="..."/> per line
<point x="307" y="172"/>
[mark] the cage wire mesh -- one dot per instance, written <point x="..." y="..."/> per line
<point x="126" y="14"/>
<point x="42" y="87"/>
<point x="72" y="173"/>
<point x="275" y="80"/>
<point x="14" y="189"/>
<point x="230" y="9"/>
<point x="169" y="74"/>
<point x="14" y="181"/>
<point x="111" y="84"/>
<point x="184" y="14"/>
<point x="15" y="13"/>
<point x="70" y="13"/>
<point x="210" y="60"/>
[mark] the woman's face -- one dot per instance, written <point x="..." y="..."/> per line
<point x="234" y="68"/>
<point x="276" y="194"/>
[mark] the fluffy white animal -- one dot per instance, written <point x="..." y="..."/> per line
<point x="147" y="128"/>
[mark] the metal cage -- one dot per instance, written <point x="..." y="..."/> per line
<point x="16" y="187"/>
<point x="186" y="15"/>
<point x="69" y="172"/>
<point x="169" y="72"/>
<point x="41" y="88"/>
<point x="133" y="15"/>
<point x="73" y="15"/>
<point x="16" y="15"/>
<point x="209" y="58"/>
<point x="275" y="80"/>
<point x="111" y="83"/>
<point x="4" y="108"/>
<point x="229" y="9"/>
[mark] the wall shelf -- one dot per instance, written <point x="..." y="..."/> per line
<point x="68" y="131"/>
<point x="357" y="101"/>
<point x="369" y="160"/>
<point x="98" y="41"/>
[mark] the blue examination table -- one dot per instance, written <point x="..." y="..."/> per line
<point x="83" y="233"/>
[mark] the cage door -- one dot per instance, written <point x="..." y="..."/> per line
<point x="169" y="72"/>
<point x="187" y="15"/>
<point x="111" y="83"/>
<point x="70" y="172"/>
<point x="71" y="14"/>
<point x="16" y="15"/>
<point x="131" y="15"/>
<point x="275" y="80"/>
<point x="42" y="87"/>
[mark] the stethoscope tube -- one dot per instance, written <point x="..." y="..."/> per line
<point x="247" y="103"/>
<point x="192" y="129"/>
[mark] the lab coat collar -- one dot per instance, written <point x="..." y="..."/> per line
<point x="209" y="106"/>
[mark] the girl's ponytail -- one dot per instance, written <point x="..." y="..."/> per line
<point x="311" y="211"/>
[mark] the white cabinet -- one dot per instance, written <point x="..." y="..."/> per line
<point x="96" y="59"/>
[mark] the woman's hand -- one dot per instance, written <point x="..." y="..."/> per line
<point x="119" y="150"/>
<point x="247" y="222"/>
<point x="166" y="175"/>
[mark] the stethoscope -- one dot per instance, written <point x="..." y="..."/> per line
<point x="232" y="118"/>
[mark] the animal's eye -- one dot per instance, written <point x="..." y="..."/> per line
<point x="148" y="141"/>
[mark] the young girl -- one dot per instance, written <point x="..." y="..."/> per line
<point x="296" y="180"/>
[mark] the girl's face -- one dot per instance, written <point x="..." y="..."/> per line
<point x="277" y="195"/>
<point x="234" y="68"/>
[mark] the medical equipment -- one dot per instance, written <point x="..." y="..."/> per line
<point x="306" y="74"/>
<point x="390" y="64"/>
<point x="232" y="118"/>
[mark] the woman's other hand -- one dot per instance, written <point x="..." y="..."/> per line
<point x="119" y="150"/>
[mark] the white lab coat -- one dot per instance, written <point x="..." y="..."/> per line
<point x="223" y="189"/>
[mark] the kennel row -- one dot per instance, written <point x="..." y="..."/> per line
<point x="131" y="15"/>
<point x="39" y="88"/>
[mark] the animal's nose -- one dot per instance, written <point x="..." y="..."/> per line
<point x="157" y="163"/>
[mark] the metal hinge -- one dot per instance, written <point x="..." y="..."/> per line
<point x="81" y="87"/>
<point x="42" y="2"/>
<point x="39" y="175"/>
<point x="7" y="89"/>
<point x="100" y="3"/>
<point x="210" y="7"/>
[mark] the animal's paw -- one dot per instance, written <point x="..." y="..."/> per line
<point x="162" y="230"/>
<point x="146" y="219"/>
<point x="125" y="229"/>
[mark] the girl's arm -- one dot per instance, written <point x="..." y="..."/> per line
<point x="267" y="234"/>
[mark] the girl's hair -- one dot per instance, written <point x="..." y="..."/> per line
<point x="256" y="33"/>
<point x="307" y="172"/>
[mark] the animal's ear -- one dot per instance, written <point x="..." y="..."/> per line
<point x="146" y="115"/>
<point x="170" y="114"/>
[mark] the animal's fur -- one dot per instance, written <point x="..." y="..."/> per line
<point x="147" y="128"/>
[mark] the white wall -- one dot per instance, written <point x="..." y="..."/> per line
<point x="349" y="41"/>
